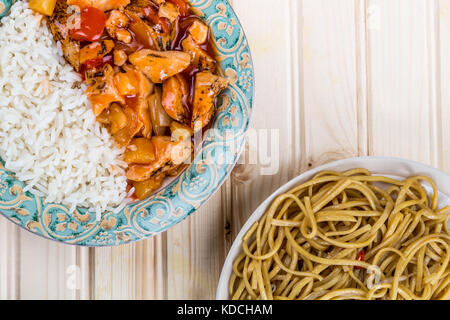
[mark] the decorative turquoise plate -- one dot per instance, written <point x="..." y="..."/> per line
<point x="214" y="161"/>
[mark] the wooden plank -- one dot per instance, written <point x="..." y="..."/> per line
<point x="278" y="106"/>
<point x="307" y="88"/>
<point x="84" y="259"/>
<point x="9" y="260"/>
<point x="365" y="18"/>
<point x="114" y="272"/>
<point x="403" y="80"/>
<point x="443" y="16"/>
<point x="196" y="250"/>
<point x="330" y="80"/>
<point x="51" y="270"/>
<point x="35" y="268"/>
<point x="134" y="271"/>
<point x="151" y="271"/>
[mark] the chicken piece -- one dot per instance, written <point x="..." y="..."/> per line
<point x="124" y="36"/>
<point x="117" y="20"/>
<point x="200" y="59"/>
<point x="116" y="24"/>
<point x="124" y="136"/>
<point x="143" y="114"/>
<point x="104" y="5"/>
<point x="145" y="188"/>
<point x="158" y="66"/>
<point x="169" y="11"/>
<point x="168" y="154"/>
<point x="174" y="32"/>
<point x="120" y="57"/>
<point x="199" y="32"/>
<point x="149" y="9"/>
<point x="135" y="82"/>
<point x="102" y="90"/>
<point x="144" y="89"/>
<point x="58" y="24"/>
<point x="96" y="50"/>
<point x="207" y="87"/>
<point x="175" y="93"/>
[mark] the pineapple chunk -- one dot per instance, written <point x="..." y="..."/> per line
<point x="145" y="188"/>
<point x="127" y="83"/>
<point x="117" y="118"/>
<point x="44" y="7"/>
<point x="140" y="151"/>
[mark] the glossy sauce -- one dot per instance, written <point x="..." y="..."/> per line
<point x="140" y="41"/>
<point x="132" y="101"/>
<point x="184" y="23"/>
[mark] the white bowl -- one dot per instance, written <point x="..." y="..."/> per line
<point x="377" y="165"/>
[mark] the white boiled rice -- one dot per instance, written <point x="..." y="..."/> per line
<point x="48" y="134"/>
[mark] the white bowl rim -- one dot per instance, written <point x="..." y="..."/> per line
<point x="375" y="164"/>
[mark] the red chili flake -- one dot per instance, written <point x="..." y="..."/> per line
<point x="360" y="257"/>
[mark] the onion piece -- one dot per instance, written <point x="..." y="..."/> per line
<point x="159" y="117"/>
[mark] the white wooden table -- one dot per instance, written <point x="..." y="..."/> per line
<point x="337" y="78"/>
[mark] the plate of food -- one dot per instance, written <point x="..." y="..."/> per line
<point x="119" y="118"/>
<point x="360" y="229"/>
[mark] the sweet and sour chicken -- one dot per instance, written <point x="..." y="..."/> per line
<point x="151" y="77"/>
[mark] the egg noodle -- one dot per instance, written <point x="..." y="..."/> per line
<point x="350" y="235"/>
